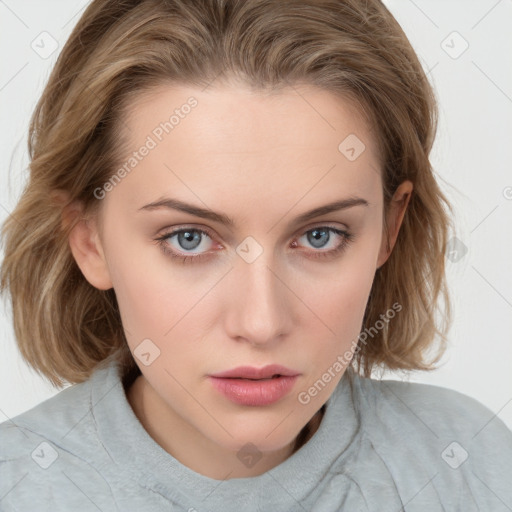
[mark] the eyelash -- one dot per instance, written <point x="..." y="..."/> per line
<point x="161" y="241"/>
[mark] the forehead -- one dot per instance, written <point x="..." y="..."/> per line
<point x="261" y="144"/>
<point x="246" y="117"/>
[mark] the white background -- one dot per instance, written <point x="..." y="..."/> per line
<point x="472" y="158"/>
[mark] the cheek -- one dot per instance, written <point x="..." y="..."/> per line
<point x="340" y="304"/>
<point x="149" y="307"/>
<point x="144" y="293"/>
<point x="162" y="304"/>
<point x="342" y="307"/>
<point x="343" y="293"/>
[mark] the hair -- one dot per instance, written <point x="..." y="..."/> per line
<point x="355" y="49"/>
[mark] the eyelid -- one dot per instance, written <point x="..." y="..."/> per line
<point x="167" y="232"/>
<point x="321" y="224"/>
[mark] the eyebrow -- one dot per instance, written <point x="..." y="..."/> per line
<point x="175" y="204"/>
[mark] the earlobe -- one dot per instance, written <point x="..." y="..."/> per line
<point x="85" y="244"/>
<point x="397" y="209"/>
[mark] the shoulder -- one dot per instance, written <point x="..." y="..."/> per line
<point x="444" y="437"/>
<point x="50" y="446"/>
<point x="445" y="410"/>
<point x="52" y="420"/>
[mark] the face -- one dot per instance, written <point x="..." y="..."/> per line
<point x="199" y="295"/>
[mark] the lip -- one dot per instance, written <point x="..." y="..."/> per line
<point x="254" y="392"/>
<point x="262" y="389"/>
<point x="251" y="372"/>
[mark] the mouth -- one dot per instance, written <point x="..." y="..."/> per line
<point x="254" y="392"/>
<point x="276" y="376"/>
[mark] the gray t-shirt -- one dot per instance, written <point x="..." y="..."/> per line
<point x="382" y="446"/>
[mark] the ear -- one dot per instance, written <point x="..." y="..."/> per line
<point x="394" y="217"/>
<point x="84" y="241"/>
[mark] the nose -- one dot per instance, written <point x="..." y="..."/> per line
<point x="259" y="303"/>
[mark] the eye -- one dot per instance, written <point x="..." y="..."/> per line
<point x="189" y="244"/>
<point x="186" y="240"/>
<point x="323" y="237"/>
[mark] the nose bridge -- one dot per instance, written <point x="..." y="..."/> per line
<point x="258" y="312"/>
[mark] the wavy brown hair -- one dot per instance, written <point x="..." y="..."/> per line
<point x="120" y="49"/>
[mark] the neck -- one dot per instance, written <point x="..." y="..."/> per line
<point x="207" y="458"/>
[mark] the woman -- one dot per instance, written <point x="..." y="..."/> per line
<point x="232" y="221"/>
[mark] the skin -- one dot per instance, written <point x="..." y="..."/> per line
<point x="263" y="160"/>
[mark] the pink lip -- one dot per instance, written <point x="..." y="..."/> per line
<point x="254" y="392"/>
<point x="262" y="389"/>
